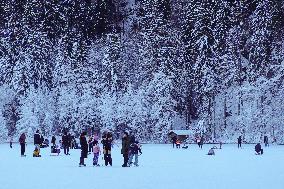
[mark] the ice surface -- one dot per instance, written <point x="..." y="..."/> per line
<point x="161" y="167"/>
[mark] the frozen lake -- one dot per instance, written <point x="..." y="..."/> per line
<point x="161" y="167"/>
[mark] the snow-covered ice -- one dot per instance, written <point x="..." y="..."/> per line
<point x="161" y="167"/>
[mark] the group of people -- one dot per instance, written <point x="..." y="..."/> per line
<point x="130" y="148"/>
<point x="176" y="142"/>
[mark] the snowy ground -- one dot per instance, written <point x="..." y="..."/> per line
<point x="161" y="167"/>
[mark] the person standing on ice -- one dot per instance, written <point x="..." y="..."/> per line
<point x="22" y="141"/>
<point x="107" y="144"/>
<point x="11" y="142"/>
<point x="240" y="142"/>
<point x="198" y="141"/>
<point x="201" y="141"/>
<point x="84" y="148"/>
<point x="53" y="141"/>
<point x="125" y="148"/>
<point x="134" y="149"/>
<point x="90" y="143"/>
<point x="65" y="143"/>
<point x="97" y="152"/>
<point x="174" y="141"/>
<point x="37" y="141"/>
<point x="266" y="141"/>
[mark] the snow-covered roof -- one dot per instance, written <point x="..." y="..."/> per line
<point x="182" y="132"/>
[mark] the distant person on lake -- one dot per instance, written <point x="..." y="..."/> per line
<point x="240" y="142"/>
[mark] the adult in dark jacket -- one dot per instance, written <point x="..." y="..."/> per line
<point x="65" y="143"/>
<point x="174" y="140"/>
<point x="107" y="143"/>
<point x="22" y="141"/>
<point x="53" y="141"/>
<point x="240" y="142"/>
<point x="266" y="141"/>
<point x="84" y="148"/>
<point x="37" y="140"/>
<point x="125" y="148"/>
<point x="258" y="149"/>
<point x="201" y="142"/>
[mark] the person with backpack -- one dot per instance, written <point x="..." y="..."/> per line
<point x="22" y="141"/>
<point x="125" y="148"/>
<point x="97" y="152"/>
<point x="134" y="150"/>
<point x="84" y="149"/>
<point x="107" y="144"/>
<point x="240" y="142"/>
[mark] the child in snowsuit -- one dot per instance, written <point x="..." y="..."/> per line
<point x="134" y="149"/>
<point x="97" y="152"/>
<point x="36" y="153"/>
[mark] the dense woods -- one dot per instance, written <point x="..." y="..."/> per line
<point x="216" y="66"/>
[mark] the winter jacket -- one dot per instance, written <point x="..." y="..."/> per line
<point x="125" y="145"/>
<point x="53" y="140"/>
<point x="96" y="149"/>
<point x="174" y="139"/>
<point x="65" y="140"/>
<point x="239" y="140"/>
<point x="84" y="146"/>
<point x="37" y="138"/>
<point x="22" y="139"/>
<point x="257" y="148"/>
<point x="211" y="152"/>
<point x="107" y="142"/>
<point x="135" y="148"/>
